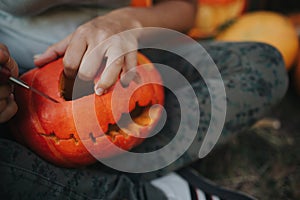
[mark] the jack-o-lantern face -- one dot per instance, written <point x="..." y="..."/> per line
<point x="68" y="132"/>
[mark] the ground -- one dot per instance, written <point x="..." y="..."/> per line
<point x="263" y="161"/>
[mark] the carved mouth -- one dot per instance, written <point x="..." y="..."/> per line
<point x="125" y="127"/>
<point x="140" y="117"/>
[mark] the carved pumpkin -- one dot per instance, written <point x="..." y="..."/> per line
<point x="66" y="133"/>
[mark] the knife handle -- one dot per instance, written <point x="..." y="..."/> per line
<point x="4" y="75"/>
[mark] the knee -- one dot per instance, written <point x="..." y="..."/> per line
<point x="268" y="64"/>
<point x="257" y="69"/>
<point x="252" y="69"/>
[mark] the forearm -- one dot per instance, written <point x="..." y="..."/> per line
<point x="93" y="40"/>
<point x="173" y="14"/>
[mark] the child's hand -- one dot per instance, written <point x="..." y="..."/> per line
<point x="8" y="106"/>
<point x="85" y="49"/>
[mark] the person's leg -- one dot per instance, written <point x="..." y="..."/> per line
<point x="24" y="175"/>
<point x="254" y="79"/>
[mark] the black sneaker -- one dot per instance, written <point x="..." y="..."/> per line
<point x="187" y="184"/>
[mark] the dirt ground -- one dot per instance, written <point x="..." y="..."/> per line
<point x="265" y="160"/>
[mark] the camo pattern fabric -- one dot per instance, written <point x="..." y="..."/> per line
<point x="255" y="80"/>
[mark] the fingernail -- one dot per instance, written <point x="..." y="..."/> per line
<point x="99" y="91"/>
<point x="124" y="82"/>
<point x="36" y="56"/>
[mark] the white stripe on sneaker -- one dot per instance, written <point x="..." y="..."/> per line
<point x="200" y="194"/>
<point x="213" y="197"/>
<point x="174" y="187"/>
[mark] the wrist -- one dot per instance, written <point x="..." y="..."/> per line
<point x="126" y="17"/>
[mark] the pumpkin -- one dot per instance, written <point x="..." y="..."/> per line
<point x="77" y="132"/>
<point x="265" y="26"/>
<point x="141" y="3"/>
<point x="212" y="14"/>
<point x="295" y="18"/>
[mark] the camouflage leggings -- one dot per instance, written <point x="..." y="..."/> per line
<point x="255" y="80"/>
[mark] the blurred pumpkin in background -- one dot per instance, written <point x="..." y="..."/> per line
<point x="265" y="26"/>
<point x="295" y="18"/>
<point x="212" y="14"/>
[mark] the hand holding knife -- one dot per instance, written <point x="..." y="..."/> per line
<point x="5" y="77"/>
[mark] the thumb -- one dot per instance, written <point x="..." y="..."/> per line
<point x="52" y="53"/>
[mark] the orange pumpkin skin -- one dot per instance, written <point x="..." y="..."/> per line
<point x="52" y="129"/>
<point x="141" y="3"/>
<point x="212" y="14"/>
<point x="265" y="26"/>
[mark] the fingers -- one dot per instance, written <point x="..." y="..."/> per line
<point x="91" y="63"/>
<point x="52" y="53"/>
<point x="73" y="57"/>
<point x="129" y="69"/>
<point x="84" y="51"/>
<point x="8" y="108"/>
<point x="8" y="61"/>
<point x="109" y="75"/>
<point x="4" y="54"/>
<point x="118" y="61"/>
<point x="5" y="91"/>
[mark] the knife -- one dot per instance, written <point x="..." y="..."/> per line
<point x="5" y="76"/>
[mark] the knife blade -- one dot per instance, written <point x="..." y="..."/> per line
<point x="5" y="76"/>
